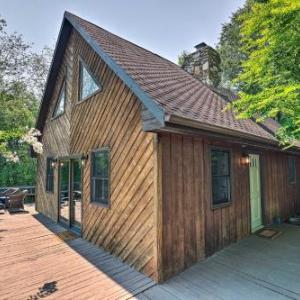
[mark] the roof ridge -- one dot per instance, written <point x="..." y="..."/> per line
<point x="166" y="90"/>
<point x="127" y="41"/>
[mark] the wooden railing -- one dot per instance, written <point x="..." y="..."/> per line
<point x="30" y="188"/>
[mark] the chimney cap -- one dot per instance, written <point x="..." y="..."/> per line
<point x="201" y="45"/>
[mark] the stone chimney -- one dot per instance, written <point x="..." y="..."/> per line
<point x="204" y="64"/>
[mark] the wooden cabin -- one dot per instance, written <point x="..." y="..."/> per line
<point x="141" y="159"/>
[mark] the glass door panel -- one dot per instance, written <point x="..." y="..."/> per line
<point x="64" y="193"/>
<point x="76" y="186"/>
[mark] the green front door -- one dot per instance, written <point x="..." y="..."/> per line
<point x="255" y="193"/>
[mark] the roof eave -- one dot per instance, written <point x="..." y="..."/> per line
<point x="67" y="24"/>
<point x="186" y="122"/>
<point x="179" y="120"/>
<point x="145" y="98"/>
<point x="62" y="39"/>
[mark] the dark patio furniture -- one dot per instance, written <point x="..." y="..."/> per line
<point x="15" y="201"/>
<point x="8" y="191"/>
<point x="5" y="193"/>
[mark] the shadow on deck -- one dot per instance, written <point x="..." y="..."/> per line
<point x="36" y="264"/>
<point x="254" y="268"/>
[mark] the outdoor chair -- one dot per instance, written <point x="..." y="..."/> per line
<point x="15" y="201"/>
<point x="6" y="193"/>
<point x="3" y="191"/>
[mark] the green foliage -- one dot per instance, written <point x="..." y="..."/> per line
<point x="17" y="107"/>
<point x="17" y="113"/>
<point x="230" y="47"/>
<point x="21" y="173"/>
<point x="270" y="79"/>
<point x="185" y="60"/>
<point x="22" y="76"/>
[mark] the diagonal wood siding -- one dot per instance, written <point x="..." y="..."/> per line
<point x="110" y="118"/>
<point x="56" y="138"/>
<point x="160" y="218"/>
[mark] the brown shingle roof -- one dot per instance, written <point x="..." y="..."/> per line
<point x="172" y="88"/>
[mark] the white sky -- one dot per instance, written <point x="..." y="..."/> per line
<point x="165" y="27"/>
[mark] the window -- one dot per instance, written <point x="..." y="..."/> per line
<point x="60" y="105"/>
<point x="88" y="85"/>
<point x="220" y="169"/>
<point x="292" y="170"/>
<point x="100" y="176"/>
<point x="49" y="175"/>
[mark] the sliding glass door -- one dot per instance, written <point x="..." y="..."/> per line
<point x="64" y="191"/>
<point x="76" y="188"/>
<point x="70" y="192"/>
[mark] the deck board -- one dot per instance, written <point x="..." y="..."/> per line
<point x="32" y="255"/>
<point x="254" y="268"/>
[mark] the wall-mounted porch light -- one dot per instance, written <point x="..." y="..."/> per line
<point x="54" y="163"/>
<point x="84" y="158"/>
<point x="245" y="159"/>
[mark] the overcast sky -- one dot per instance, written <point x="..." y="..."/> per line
<point x="165" y="27"/>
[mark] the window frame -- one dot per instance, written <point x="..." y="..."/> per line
<point x="62" y="86"/>
<point x="81" y="63"/>
<point x="92" y="200"/>
<point x="49" y="161"/>
<point x="294" y="181"/>
<point x="230" y="196"/>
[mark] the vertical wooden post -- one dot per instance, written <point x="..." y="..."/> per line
<point x="158" y="198"/>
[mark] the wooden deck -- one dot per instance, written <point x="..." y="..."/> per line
<point x="255" y="268"/>
<point x="36" y="264"/>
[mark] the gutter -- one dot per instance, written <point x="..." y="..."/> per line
<point x="177" y="120"/>
<point x="178" y="123"/>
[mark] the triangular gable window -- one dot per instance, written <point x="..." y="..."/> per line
<point x="88" y="85"/>
<point x="60" y="105"/>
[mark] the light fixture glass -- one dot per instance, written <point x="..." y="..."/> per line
<point x="54" y="163"/>
<point x="245" y="160"/>
<point x="84" y="158"/>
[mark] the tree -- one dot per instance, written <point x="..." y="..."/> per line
<point x="22" y="77"/>
<point x="18" y="63"/>
<point x="230" y="47"/>
<point x="185" y="60"/>
<point x="269" y="82"/>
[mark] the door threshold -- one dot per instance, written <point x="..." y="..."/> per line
<point x="72" y="229"/>
<point x="75" y="230"/>
<point x="257" y="229"/>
